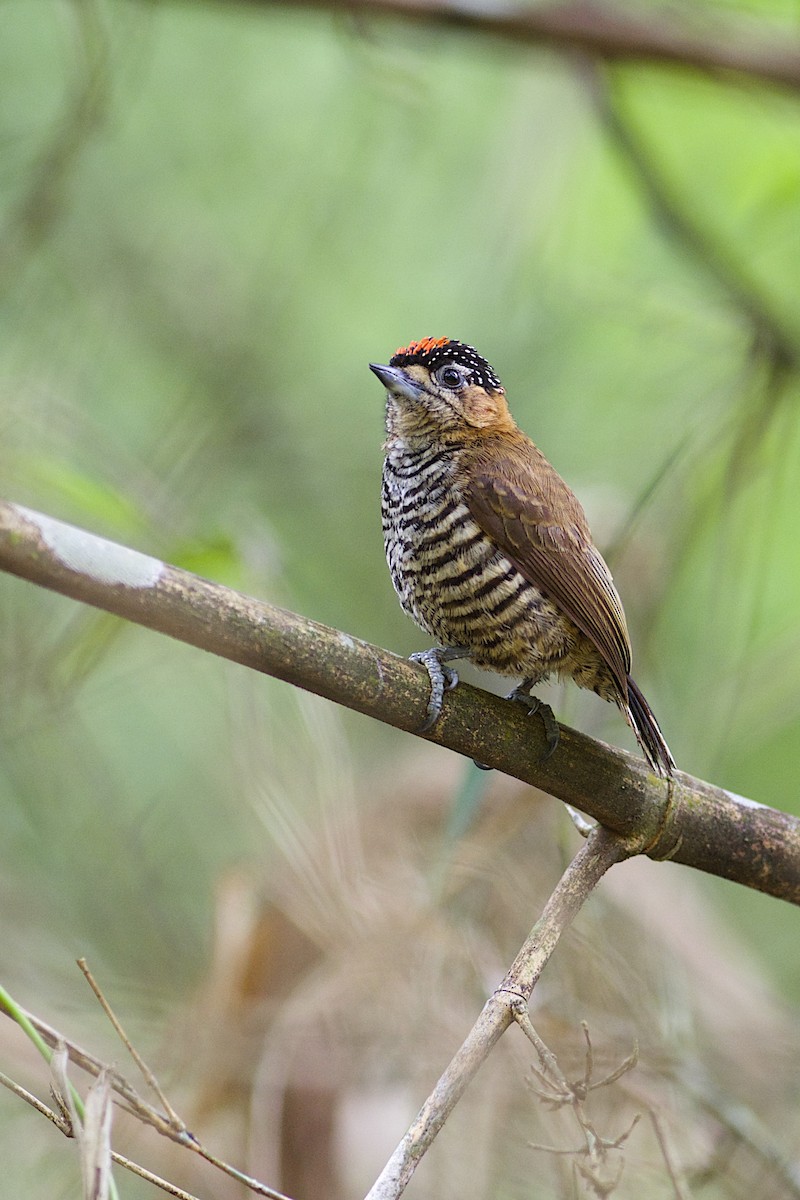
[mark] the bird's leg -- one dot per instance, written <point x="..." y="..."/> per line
<point x="442" y="677"/>
<point x="522" y="694"/>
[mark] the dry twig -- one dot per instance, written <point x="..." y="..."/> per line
<point x="591" y="1160"/>
<point x="68" y="1121"/>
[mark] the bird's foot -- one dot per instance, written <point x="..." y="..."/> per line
<point x="522" y="695"/>
<point x="535" y="706"/>
<point x="442" y="677"/>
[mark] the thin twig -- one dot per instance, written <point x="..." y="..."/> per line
<point x="65" y="1127"/>
<point x="60" y="1122"/>
<point x="550" y="1071"/>
<point x="132" y="1102"/>
<point x="558" y="1092"/>
<point x="134" y="1053"/>
<point x="676" y="1177"/>
<point x="166" y="1185"/>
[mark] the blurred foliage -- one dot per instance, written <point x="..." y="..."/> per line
<point x="211" y="218"/>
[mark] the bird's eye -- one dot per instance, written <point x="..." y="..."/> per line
<point x="449" y="377"/>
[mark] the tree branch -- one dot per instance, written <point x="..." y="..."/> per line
<point x="687" y="820"/>
<point x="599" y="30"/>
<point x="678" y="219"/>
<point x="508" y="1003"/>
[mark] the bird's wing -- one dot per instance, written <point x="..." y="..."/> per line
<point x="521" y="502"/>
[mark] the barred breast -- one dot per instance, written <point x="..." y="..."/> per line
<point x="453" y="581"/>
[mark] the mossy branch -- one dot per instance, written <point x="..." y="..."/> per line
<point x="687" y="820"/>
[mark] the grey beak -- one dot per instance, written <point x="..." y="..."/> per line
<point x="395" y="380"/>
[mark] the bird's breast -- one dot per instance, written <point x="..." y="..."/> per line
<point x="449" y="575"/>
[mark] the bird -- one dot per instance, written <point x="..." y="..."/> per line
<point x="488" y="549"/>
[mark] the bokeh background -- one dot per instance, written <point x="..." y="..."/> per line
<point x="212" y="216"/>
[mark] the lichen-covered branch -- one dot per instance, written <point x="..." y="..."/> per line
<point x="687" y="820"/>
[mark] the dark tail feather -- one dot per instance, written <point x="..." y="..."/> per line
<point x="648" y="734"/>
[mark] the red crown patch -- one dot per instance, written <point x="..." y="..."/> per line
<point x="434" y="352"/>
<point x="425" y="346"/>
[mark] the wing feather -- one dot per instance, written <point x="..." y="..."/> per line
<point x="520" y="501"/>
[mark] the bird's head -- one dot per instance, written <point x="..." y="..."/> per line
<point x="440" y="387"/>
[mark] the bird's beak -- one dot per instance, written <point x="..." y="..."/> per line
<point x="396" y="381"/>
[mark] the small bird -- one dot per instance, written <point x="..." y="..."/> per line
<point x="489" y="550"/>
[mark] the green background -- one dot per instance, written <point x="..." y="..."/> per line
<point x="211" y="218"/>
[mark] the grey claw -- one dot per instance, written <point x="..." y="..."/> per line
<point x="442" y="677"/>
<point x="535" y="706"/>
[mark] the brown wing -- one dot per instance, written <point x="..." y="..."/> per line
<point x="525" y="507"/>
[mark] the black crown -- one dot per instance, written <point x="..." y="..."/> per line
<point x="435" y="352"/>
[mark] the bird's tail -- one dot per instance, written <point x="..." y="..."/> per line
<point x="649" y="736"/>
